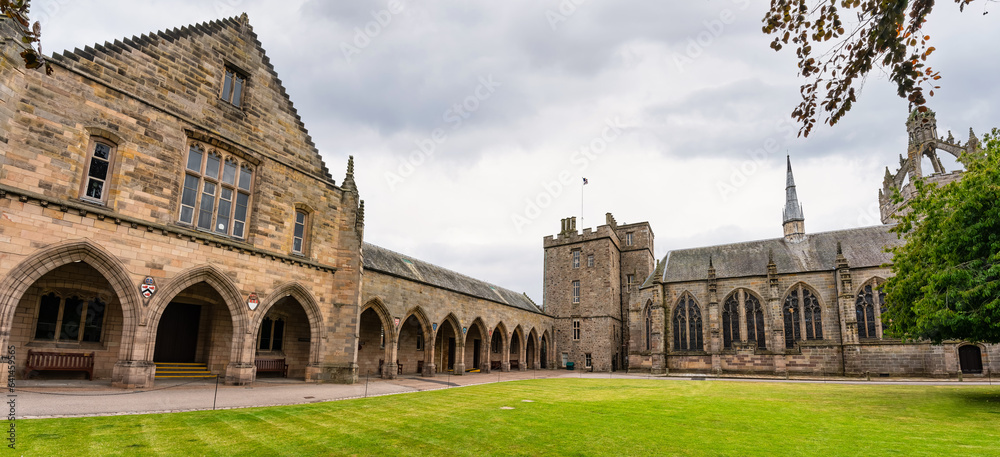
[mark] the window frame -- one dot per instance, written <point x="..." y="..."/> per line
<point x="271" y="338"/>
<point x="220" y="186"/>
<point x="630" y="282"/>
<point x="588" y="360"/>
<point x="576" y="292"/>
<point x="306" y="225"/>
<point x="691" y="322"/>
<point x="874" y="286"/>
<point x="576" y="330"/>
<point x="590" y="260"/>
<point x="629" y="238"/>
<point x="230" y="72"/>
<point x="86" y="299"/>
<point x="88" y="162"/>
<point x="576" y="258"/>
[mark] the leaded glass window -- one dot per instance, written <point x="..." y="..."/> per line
<point x="688" y="333"/>
<point x="70" y="318"/>
<point x="755" y="321"/>
<point x="731" y="320"/>
<point x="216" y="192"/>
<point x="868" y="307"/>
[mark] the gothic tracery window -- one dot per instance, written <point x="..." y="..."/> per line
<point x="802" y="315"/>
<point x="731" y="320"/>
<point x="687" y="325"/>
<point x="755" y="321"/>
<point x="648" y="319"/>
<point x="868" y="306"/>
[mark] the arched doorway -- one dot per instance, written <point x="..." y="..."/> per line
<point x="410" y="349"/>
<point x="543" y="350"/>
<point x="285" y="333"/>
<point x="474" y="347"/>
<point x="70" y="309"/>
<point x="970" y="357"/>
<point x="529" y="351"/>
<point x="445" y="346"/>
<point x="372" y="345"/>
<point x="515" y="351"/>
<point x="497" y="347"/>
<point x="194" y="334"/>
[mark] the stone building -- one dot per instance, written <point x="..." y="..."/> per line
<point x="806" y="303"/>
<point x="590" y="278"/>
<point x="163" y="203"/>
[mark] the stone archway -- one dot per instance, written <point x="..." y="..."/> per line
<point x="113" y="276"/>
<point x="447" y="346"/>
<point x="412" y="352"/>
<point x="374" y="341"/>
<point x="300" y="319"/>
<point x="220" y="338"/>
<point x="475" y="347"/>
<point x="530" y="349"/>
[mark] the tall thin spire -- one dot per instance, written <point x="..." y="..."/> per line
<point x="794" y="220"/>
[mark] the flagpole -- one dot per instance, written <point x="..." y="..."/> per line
<point x="582" y="186"/>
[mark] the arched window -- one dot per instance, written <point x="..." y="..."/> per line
<point x="755" y="321"/>
<point x="687" y="325"/>
<point x="803" y="316"/>
<point x="868" y="308"/>
<point x="731" y="319"/>
<point x="648" y="319"/>
<point x="791" y="314"/>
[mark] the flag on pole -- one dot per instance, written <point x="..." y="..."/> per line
<point x="585" y="181"/>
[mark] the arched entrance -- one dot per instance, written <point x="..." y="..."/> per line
<point x="474" y="348"/>
<point x="497" y="347"/>
<point x="515" y="350"/>
<point x="970" y="357"/>
<point x="285" y="334"/>
<point x="70" y="309"/>
<point x="543" y="349"/>
<point x="445" y="346"/>
<point x="410" y="349"/>
<point x="372" y="348"/>
<point x="529" y="351"/>
<point x="194" y="334"/>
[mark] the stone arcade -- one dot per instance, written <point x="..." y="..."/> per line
<point x="162" y="203"/>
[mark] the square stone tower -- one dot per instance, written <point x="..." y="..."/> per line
<point x="589" y="279"/>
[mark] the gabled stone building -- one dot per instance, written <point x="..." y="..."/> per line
<point x="163" y="203"/>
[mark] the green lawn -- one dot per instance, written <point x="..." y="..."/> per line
<point x="565" y="417"/>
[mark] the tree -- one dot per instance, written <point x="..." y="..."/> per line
<point x="887" y="35"/>
<point x="947" y="274"/>
<point x="17" y="10"/>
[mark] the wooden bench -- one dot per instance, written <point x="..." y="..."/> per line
<point x="272" y="366"/>
<point x="60" y="361"/>
<point x="514" y="365"/>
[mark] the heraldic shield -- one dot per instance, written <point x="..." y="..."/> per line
<point x="148" y="287"/>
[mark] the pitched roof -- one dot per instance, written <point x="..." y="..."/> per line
<point x="862" y="247"/>
<point x="393" y="263"/>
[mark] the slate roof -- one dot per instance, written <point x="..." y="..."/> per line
<point x="396" y="264"/>
<point x="863" y="247"/>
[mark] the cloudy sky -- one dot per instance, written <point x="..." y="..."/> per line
<point x="472" y="123"/>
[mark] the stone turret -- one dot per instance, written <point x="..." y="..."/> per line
<point x="794" y="221"/>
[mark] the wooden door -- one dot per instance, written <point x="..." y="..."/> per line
<point x="971" y="359"/>
<point x="177" y="334"/>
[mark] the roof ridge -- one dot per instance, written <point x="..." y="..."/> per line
<point x="492" y="285"/>
<point x="777" y="238"/>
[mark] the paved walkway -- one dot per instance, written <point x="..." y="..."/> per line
<point x="76" y="398"/>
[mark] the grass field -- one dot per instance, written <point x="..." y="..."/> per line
<point x="565" y="417"/>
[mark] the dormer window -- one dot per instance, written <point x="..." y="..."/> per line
<point x="232" y="87"/>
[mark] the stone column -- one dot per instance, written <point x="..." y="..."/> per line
<point x="505" y="353"/>
<point x="430" y="369"/>
<point x="459" y="359"/>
